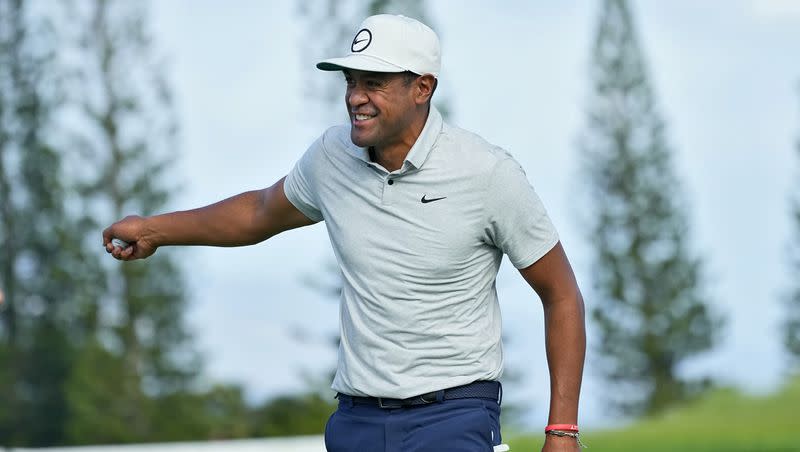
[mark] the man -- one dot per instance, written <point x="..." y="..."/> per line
<point x="419" y="214"/>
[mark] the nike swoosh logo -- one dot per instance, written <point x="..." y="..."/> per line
<point x="366" y="38"/>
<point x="426" y="201"/>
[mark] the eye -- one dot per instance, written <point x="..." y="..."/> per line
<point x="374" y="83"/>
<point x="350" y="82"/>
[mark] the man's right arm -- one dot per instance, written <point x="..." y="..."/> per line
<point x="244" y="219"/>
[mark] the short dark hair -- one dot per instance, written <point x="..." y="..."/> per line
<point x="409" y="77"/>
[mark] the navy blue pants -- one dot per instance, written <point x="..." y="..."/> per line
<point x="459" y="425"/>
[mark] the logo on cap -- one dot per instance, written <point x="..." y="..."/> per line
<point x="361" y="41"/>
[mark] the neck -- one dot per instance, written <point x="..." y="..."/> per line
<point x="392" y="156"/>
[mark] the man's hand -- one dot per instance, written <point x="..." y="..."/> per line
<point x="132" y="230"/>
<point x="560" y="444"/>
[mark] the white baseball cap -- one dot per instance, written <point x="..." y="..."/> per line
<point x="389" y="43"/>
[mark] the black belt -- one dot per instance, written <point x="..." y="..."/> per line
<point x="492" y="390"/>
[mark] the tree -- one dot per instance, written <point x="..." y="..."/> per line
<point x="303" y="414"/>
<point x="48" y="279"/>
<point x="141" y="341"/>
<point x="651" y="312"/>
<point x="791" y="327"/>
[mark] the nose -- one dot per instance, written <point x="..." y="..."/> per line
<point x="356" y="97"/>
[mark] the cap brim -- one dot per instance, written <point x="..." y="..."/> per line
<point x="359" y="63"/>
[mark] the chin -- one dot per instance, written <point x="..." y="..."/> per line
<point x="360" y="141"/>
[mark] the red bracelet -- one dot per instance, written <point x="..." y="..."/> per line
<point x="562" y="427"/>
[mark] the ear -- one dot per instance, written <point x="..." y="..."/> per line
<point x="424" y="87"/>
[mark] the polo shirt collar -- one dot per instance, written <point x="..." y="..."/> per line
<point x="422" y="147"/>
<point x="427" y="138"/>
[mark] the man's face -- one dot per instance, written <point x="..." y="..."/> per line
<point x="381" y="107"/>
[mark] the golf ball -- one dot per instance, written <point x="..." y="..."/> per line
<point x="120" y="243"/>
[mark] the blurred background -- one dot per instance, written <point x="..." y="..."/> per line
<point x="662" y="138"/>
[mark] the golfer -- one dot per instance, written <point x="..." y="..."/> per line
<point x="419" y="214"/>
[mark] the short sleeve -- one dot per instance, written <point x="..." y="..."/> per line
<point x="300" y="183"/>
<point x="517" y="222"/>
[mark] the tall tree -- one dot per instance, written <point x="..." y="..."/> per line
<point x="142" y="341"/>
<point x="47" y="277"/>
<point x="651" y="311"/>
<point x="791" y="331"/>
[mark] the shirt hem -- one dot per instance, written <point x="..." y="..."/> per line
<point x="536" y="255"/>
<point x="300" y="206"/>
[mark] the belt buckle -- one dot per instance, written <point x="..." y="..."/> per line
<point x="389" y="403"/>
<point x="432" y="395"/>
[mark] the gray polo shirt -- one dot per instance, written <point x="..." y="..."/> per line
<point x="419" y="249"/>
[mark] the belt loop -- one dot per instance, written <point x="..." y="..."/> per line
<point x="499" y="393"/>
<point x="440" y="395"/>
<point x="348" y="400"/>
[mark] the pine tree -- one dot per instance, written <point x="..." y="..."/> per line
<point x="47" y="277"/>
<point x="651" y="312"/>
<point x="791" y="330"/>
<point x="142" y="341"/>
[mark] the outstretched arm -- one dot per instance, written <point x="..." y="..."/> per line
<point x="565" y="339"/>
<point x="244" y="219"/>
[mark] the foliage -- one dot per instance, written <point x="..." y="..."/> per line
<point x="722" y="421"/>
<point x="49" y="282"/>
<point x="650" y="311"/>
<point x="96" y="351"/>
<point x="303" y="414"/>
<point x="86" y="392"/>
<point x="141" y="348"/>
<point x="791" y="327"/>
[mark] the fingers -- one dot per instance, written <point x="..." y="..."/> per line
<point x="127" y="253"/>
<point x="119" y="249"/>
<point x="107" y="236"/>
<point x="119" y="253"/>
<point x="119" y="239"/>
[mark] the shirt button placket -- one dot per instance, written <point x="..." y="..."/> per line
<point x="389" y="188"/>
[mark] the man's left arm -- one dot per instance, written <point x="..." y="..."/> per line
<point x="565" y="338"/>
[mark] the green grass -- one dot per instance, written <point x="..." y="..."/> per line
<point x="725" y="420"/>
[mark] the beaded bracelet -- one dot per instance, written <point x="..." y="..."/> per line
<point x="562" y="433"/>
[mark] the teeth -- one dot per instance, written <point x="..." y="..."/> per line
<point x="362" y="117"/>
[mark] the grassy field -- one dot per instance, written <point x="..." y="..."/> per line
<point x="724" y="421"/>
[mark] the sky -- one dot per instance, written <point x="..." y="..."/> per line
<point x="727" y="79"/>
